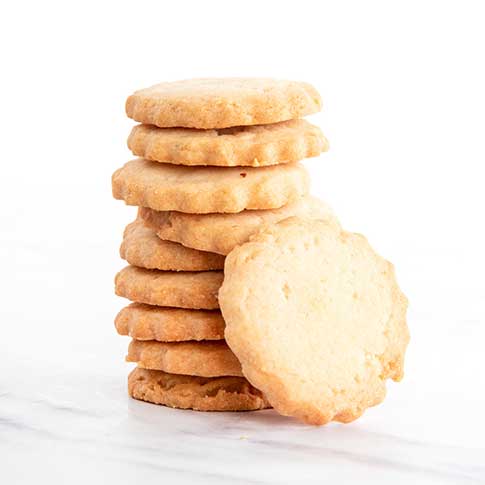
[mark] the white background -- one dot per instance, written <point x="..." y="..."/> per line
<point x="403" y="85"/>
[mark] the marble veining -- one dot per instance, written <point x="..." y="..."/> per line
<point x="85" y="428"/>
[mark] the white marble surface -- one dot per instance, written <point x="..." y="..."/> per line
<point x="65" y="416"/>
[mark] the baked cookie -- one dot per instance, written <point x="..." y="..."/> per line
<point x="146" y="322"/>
<point x="254" y="146"/>
<point x="316" y="319"/>
<point x="192" y="392"/>
<point x="220" y="103"/>
<point x="196" y="290"/>
<point x="141" y="247"/>
<point x="204" y="359"/>
<point x="220" y="233"/>
<point x="200" y="190"/>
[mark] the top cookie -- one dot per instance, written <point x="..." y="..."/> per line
<point x="222" y="102"/>
<point x="316" y="319"/>
<point x="252" y="146"/>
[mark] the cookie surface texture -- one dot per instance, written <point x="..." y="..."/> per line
<point x="197" y="290"/>
<point x="148" y="322"/>
<point x="198" y="393"/>
<point x="201" y="190"/>
<point x="316" y="319"/>
<point x="204" y="359"/>
<point x="220" y="233"/>
<point x="254" y="146"/>
<point x="222" y="102"/>
<point x="141" y="247"/>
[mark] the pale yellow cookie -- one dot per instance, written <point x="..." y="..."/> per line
<point x="200" y="190"/>
<point x="254" y="146"/>
<point x="147" y="322"/>
<point x="220" y="233"/>
<point x="223" y="102"/>
<point x="141" y="247"/>
<point x="204" y="359"/>
<point x="192" y="392"/>
<point x="316" y="319"/>
<point x="196" y="290"/>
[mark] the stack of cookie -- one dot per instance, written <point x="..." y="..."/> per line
<point x="219" y="166"/>
<point x="212" y="171"/>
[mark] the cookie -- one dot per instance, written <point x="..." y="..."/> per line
<point x="146" y="322"/>
<point x="316" y="319"/>
<point x="200" y="190"/>
<point x="198" y="393"/>
<point x="196" y="290"/>
<point x="254" y="146"/>
<point x="220" y="233"/>
<point x="141" y="247"/>
<point x="224" y="102"/>
<point x="204" y="359"/>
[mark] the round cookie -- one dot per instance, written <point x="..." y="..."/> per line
<point x="196" y="290"/>
<point x="204" y="359"/>
<point x="316" y="319"/>
<point x="200" y="190"/>
<point x="141" y="247"/>
<point x="221" y="233"/>
<point x="222" y="102"/>
<point x="254" y="146"/>
<point x="192" y="392"/>
<point x="147" y="322"/>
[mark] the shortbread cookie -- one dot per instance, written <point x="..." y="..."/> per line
<point x="254" y="146"/>
<point x="200" y="190"/>
<point x="204" y="359"/>
<point x="141" y="247"/>
<point x="220" y="233"/>
<point x="220" y="103"/>
<point x="147" y="322"/>
<point x="198" y="393"/>
<point x="196" y="290"/>
<point x="316" y="319"/>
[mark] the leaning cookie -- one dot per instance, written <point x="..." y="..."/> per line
<point x="197" y="290"/>
<point x="226" y="393"/>
<point x="222" y="102"/>
<point x="254" y="146"/>
<point x="201" y="190"/>
<point x="316" y="319"/>
<point x="221" y="233"/>
<point x="204" y="359"/>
